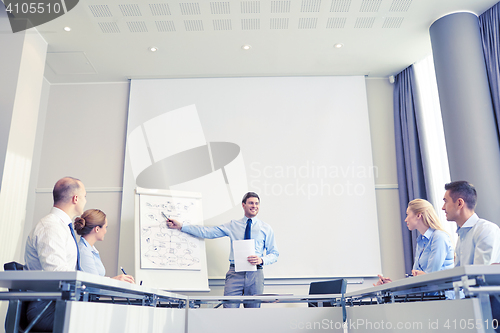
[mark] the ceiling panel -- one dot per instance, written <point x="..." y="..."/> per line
<point x="287" y="38"/>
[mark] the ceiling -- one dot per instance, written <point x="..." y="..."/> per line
<point x="109" y="40"/>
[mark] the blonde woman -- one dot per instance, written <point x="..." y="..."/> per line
<point x="92" y="226"/>
<point x="434" y="251"/>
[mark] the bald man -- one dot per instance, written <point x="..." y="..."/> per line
<point x="50" y="245"/>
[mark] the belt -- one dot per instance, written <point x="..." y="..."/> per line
<point x="258" y="266"/>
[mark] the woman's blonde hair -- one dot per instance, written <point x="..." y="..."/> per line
<point x="429" y="215"/>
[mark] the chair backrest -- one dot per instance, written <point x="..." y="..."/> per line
<point x="13" y="266"/>
<point x="14" y="307"/>
<point x="327" y="287"/>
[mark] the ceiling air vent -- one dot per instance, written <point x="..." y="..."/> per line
<point x="250" y="7"/>
<point x="159" y="9"/>
<point x="137" y="26"/>
<point x="340" y="6"/>
<point x="193" y="25"/>
<point x="336" y="22"/>
<point x="109" y="27"/>
<point x="364" y="22"/>
<point x="250" y="24"/>
<point x="392" y="22"/>
<point x="279" y="23"/>
<point x="130" y="10"/>
<point x="370" y="6"/>
<point x="190" y="8"/>
<point x="310" y="6"/>
<point x="165" y="26"/>
<point x="400" y="5"/>
<point x="308" y="22"/>
<point x="280" y="6"/>
<point x="220" y="25"/>
<point x="100" y="10"/>
<point x="220" y="8"/>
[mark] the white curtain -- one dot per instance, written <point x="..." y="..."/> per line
<point x="430" y="123"/>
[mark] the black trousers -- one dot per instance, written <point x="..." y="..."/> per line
<point x="46" y="321"/>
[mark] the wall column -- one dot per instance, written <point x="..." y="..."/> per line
<point x="21" y="81"/>
<point x="468" y="118"/>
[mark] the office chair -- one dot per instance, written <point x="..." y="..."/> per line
<point x="327" y="287"/>
<point x="16" y="311"/>
<point x="16" y="319"/>
<point x="13" y="266"/>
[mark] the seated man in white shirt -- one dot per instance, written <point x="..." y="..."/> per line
<point x="478" y="239"/>
<point x="51" y="245"/>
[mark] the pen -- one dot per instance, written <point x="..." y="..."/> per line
<point x="140" y="283"/>
<point x="165" y="216"/>
<point x="123" y="270"/>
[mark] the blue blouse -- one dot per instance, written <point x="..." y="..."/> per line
<point x="89" y="258"/>
<point x="434" y="252"/>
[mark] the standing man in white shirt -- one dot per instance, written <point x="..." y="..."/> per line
<point x="478" y="239"/>
<point x="51" y="245"/>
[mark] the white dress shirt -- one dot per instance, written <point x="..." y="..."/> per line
<point x="50" y="245"/>
<point x="478" y="243"/>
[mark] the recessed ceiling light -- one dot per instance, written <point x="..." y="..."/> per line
<point x="153" y="49"/>
<point x="67" y="29"/>
<point x="338" y="45"/>
<point x="246" y="47"/>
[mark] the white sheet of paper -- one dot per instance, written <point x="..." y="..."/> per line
<point x="241" y="250"/>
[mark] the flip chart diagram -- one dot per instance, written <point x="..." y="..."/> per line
<point x="165" y="248"/>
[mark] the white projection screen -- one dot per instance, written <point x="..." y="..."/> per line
<point x="302" y="143"/>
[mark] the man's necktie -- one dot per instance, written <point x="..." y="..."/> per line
<point x="248" y="229"/>
<point x="77" y="249"/>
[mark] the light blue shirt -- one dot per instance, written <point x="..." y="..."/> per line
<point x="235" y="230"/>
<point x="478" y="243"/>
<point x="434" y="251"/>
<point x="89" y="258"/>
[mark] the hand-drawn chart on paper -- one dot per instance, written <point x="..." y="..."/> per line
<point x="164" y="248"/>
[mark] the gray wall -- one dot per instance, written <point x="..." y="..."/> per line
<point x="380" y="108"/>
<point x="84" y="137"/>
<point x="12" y="56"/>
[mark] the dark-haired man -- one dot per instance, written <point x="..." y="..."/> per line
<point x="478" y="239"/>
<point x="241" y="283"/>
<point x="51" y="246"/>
